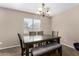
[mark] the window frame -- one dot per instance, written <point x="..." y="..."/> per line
<point x="33" y="21"/>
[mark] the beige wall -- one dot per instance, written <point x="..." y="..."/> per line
<point x="67" y="23"/>
<point x="11" y="22"/>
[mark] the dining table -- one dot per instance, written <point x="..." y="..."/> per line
<point x="34" y="39"/>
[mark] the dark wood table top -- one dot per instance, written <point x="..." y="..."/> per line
<point x="38" y="38"/>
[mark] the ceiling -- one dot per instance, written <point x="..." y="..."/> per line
<point x="55" y="8"/>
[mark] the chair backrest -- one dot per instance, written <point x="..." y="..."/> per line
<point x="32" y="33"/>
<point x="40" y="33"/>
<point x="21" y="41"/>
<point x="54" y="33"/>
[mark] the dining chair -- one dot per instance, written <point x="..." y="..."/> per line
<point x="47" y="48"/>
<point x="32" y="33"/>
<point x="55" y="33"/>
<point x="40" y="33"/>
<point x="21" y="44"/>
<point x="23" y="49"/>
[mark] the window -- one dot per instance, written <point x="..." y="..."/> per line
<point x="31" y="24"/>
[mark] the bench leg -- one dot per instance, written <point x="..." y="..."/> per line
<point x="60" y="51"/>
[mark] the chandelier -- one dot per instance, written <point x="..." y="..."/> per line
<point x="43" y="11"/>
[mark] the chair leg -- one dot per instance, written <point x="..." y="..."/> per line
<point x="22" y="54"/>
<point x="31" y="53"/>
<point x="60" y="51"/>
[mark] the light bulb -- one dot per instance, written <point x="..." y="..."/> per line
<point x="38" y="12"/>
<point x="48" y="12"/>
<point x="39" y="9"/>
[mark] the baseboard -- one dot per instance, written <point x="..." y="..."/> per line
<point x="68" y="46"/>
<point x="9" y="47"/>
<point x="19" y="45"/>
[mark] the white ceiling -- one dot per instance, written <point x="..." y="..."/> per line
<point x="55" y="8"/>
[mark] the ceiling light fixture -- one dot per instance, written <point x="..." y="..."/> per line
<point x="43" y="11"/>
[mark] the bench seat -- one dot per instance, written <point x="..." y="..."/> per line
<point x="45" y="48"/>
